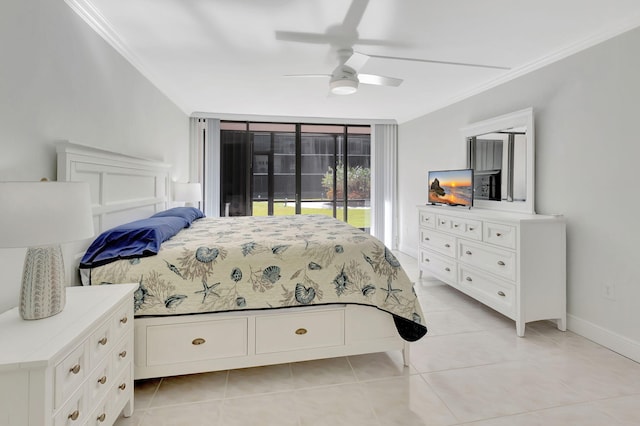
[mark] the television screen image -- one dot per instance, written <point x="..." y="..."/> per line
<point x="451" y="187"/>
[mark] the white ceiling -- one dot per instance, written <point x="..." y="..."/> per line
<point x="223" y="56"/>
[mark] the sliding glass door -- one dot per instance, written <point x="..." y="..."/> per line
<point x="282" y="168"/>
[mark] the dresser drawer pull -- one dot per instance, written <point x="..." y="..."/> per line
<point x="498" y="234"/>
<point x="122" y="354"/>
<point x="427" y="260"/>
<point x="123" y="386"/>
<point x="103" y="341"/>
<point x="447" y="269"/>
<point x="469" y="279"/>
<point x="443" y="222"/>
<point x="101" y="417"/>
<point x="447" y="245"/>
<point x="471" y="229"/>
<point x="426" y="219"/>
<point x="426" y="238"/>
<point x="102" y="380"/>
<point x="468" y="252"/>
<point x="301" y="331"/>
<point x="75" y="369"/>
<point x="74" y="416"/>
<point x="500" y="262"/>
<point x="124" y="320"/>
<point x="198" y="341"/>
<point x="501" y="293"/>
<point x="456" y="225"/>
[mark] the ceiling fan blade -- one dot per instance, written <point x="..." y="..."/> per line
<point x="307" y="75"/>
<point x="354" y="14"/>
<point x="379" y="80"/>
<point x="301" y="37"/>
<point x="465" y="64"/>
<point x="357" y="60"/>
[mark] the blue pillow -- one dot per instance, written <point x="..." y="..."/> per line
<point x="188" y="213"/>
<point x="140" y="238"/>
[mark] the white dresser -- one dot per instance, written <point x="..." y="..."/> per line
<point x="74" y="368"/>
<point x="514" y="263"/>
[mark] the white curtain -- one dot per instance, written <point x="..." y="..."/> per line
<point x="384" y="186"/>
<point x="204" y="164"/>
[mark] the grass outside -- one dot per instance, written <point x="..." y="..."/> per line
<point x="358" y="217"/>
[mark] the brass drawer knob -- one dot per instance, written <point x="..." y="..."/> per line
<point x="447" y="245"/>
<point x="75" y="369"/>
<point x="198" y="341"/>
<point x="471" y="229"/>
<point x="469" y="279"/>
<point x="447" y="269"/>
<point x="74" y="416"/>
<point x="124" y="320"/>
<point x="468" y="252"/>
<point x="101" y="417"/>
<point x="103" y="341"/>
<point x="501" y="293"/>
<point x="500" y="262"/>
<point x="498" y="234"/>
<point x="102" y="380"/>
<point x="123" y="386"/>
<point x="456" y="225"/>
<point x="301" y="331"/>
<point x="122" y="354"/>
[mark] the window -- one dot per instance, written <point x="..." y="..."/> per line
<point x="285" y="168"/>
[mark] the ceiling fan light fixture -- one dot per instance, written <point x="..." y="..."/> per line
<point x="343" y="86"/>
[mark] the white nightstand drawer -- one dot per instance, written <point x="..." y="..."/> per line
<point x="70" y="373"/>
<point x="277" y="333"/>
<point x="490" y="259"/>
<point x="122" y="355"/>
<point x="123" y="320"/>
<point x="101" y="341"/>
<point x="74" y="411"/>
<point x="196" y="341"/>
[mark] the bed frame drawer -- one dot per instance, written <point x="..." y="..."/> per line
<point x="278" y="333"/>
<point x="196" y="341"/>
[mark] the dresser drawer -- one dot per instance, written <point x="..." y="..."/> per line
<point x="278" y="333"/>
<point x="196" y="341"/>
<point x="427" y="219"/>
<point x="437" y="241"/>
<point x="99" y="381"/>
<point x="442" y="267"/>
<point x="490" y="259"/>
<point x="468" y="228"/>
<point x="70" y="373"/>
<point x="500" y="234"/>
<point x="495" y="293"/>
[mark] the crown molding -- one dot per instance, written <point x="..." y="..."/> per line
<point x="92" y="16"/>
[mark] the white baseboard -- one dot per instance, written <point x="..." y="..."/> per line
<point x="617" y="343"/>
<point x="411" y="251"/>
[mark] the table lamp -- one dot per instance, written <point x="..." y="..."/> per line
<point x="41" y="216"/>
<point x="188" y="192"/>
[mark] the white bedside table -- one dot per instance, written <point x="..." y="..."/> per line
<point x="73" y="368"/>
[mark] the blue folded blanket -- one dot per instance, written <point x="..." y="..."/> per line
<point x="134" y="239"/>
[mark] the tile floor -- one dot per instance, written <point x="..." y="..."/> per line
<point x="470" y="369"/>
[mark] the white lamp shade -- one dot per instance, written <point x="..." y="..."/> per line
<point x="189" y="192"/>
<point x="34" y="214"/>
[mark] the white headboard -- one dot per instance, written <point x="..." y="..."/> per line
<point x="123" y="188"/>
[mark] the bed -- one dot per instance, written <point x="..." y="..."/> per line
<point x="226" y="293"/>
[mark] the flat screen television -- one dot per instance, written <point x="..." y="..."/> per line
<point x="451" y="187"/>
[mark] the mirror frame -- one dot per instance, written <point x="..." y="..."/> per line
<point x="515" y="119"/>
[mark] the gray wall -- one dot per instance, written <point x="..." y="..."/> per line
<point x="60" y="81"/>
<point x="586" y="111"/>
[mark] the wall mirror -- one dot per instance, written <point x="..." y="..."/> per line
<point x="501" y="151"/>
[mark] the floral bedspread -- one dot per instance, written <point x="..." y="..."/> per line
<point x="241" y="263"/>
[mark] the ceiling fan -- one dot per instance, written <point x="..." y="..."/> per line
<point x="345" y="78"/>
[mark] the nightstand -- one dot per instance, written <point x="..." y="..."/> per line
<point x="73" y="368"/>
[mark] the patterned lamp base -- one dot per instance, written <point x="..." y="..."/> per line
<point x="43" y="293"/>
